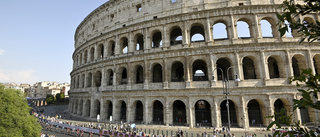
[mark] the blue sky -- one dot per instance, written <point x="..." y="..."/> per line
<point x="37" y="38"/>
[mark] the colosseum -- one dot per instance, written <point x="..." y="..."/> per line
<point x="180" y="62"/>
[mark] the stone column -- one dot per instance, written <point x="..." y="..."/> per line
<point x="257" y="28"/>
<point x="264" y="67"/>
<point x="310" y="61"/>
<point x="146" y="74"/>
<point x="243" y="114"/>
<point x="116" y="110"/>
<point x="147" y="115"/>
<point x="187" y="72"/>
<point x="129" y="76"/>
<point x="147" y="42"/>
<point x="289" y="65"/>
<point x="185" y="34"/>
<point x="131" y="43"/>
<point x="168" y="114"/>
<point x="208" y="33"/>
<point x="191" y="119"/>
<point x="213" y="70"/>
<point x="238" y="65"/>
<point x="130" y="112"/>
<point x="232" y="29"/>
<point x="165" y="74"/>
<point x="102" y="109"/>
<point x="117" y="45"/>
<point x="165" y="38"/>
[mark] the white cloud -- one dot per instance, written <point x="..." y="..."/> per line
<point x="1" y="51"/>
<point x="18" y="76"/>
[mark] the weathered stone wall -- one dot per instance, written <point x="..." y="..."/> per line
<point x="125" y="56"/>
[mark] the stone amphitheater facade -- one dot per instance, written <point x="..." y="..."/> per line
<point x="162" y="62"/>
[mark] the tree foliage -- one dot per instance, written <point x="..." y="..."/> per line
<point x="15" y="117"/>
<point x="60" y="97"/>
<point x="50" y="99"/>
<point x="308" y="86"/>
<point x="309" y="31"/>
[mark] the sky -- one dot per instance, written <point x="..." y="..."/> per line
<point x="37" y="38"/>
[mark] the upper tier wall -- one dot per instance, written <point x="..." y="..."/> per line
<point x="114" y="14"/>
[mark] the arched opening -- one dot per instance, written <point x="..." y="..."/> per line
<point x="92" y="54"/>
<point x="220" y="31"/>
<point x="98" y="78"/>
<point x="197" y="33"/>
<point x="232" y="113"/>
<point x="139" y="42"/>
<point x="224" y="64"/>
<point x="266" y="29"/>
<point x="278" y="104"/>
<point x="289" y="32"/>
<point x="179" y="113"/>
<point x="176" y="36"/>
<point x="139" y="112"/>
<point x="123" y="111"/>
<point x="87" y="108"/>
<point x="203" y="113"/>
<point x="248" y="66"/>
<point x="157" y="112"/>
<point x="96" y="109"/>
<point x="85" y="56"/>
<point x="110" y="78"/>
<point x="157" y="73"/>
<point x="254" y="112"/>
<point x="200" y="72"/>
<point x="89" y="80"/>
<point x="243" y="30"/>
<point x="112" y="47"/>
<point x="124" y="45"/>
<point x="177" y="72"/>
<point x="139" y="75"/>
<point x="110" y="110"/>
<point x="157" y="40"/>
<point x="304" y="114"/>
<point x="124" y="77"/>
<point x="273" y="68"/>
<point x="100" y="51"/>
<point x="298" y="64"/>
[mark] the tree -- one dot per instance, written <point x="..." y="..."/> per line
<point x="15" y="117"/>
<point x="59" y="97"/>
<point x="309" y="31"/>
<point x="50" y="99"/>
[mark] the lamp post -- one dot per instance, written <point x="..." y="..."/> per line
<point x="225" y="82"/>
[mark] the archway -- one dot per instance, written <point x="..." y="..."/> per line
<point x="139" y="74"/>
<point x="123" y="111"/>
<point x="96" y="109"/>
<point x="224" y="64"/>
<point x="248" y="66"/>
<point x="177" y="72"/>
<point x="157" y="73"/>
<point x="176" y="36"/>
<point x="97" y="78"/>
<point x="232" y="113"/>
<point x="139" y="112"/>
<point x="273" y="68"/>
<point x="200" y="72"/>
<point x="278" y="105"/>
<point x="179" y="113"/>
<point x="157" y="40"/>
<point x="254" y="112"/>
<point x="87" y="108"/>
<point x="157" y="112"/>
<point x="203" y="113"/>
